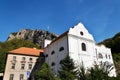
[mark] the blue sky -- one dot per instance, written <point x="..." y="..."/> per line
<point x="100" y="17"/>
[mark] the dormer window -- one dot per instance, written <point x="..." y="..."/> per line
<point x="81" y="33"/>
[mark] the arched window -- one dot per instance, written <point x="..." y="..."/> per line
<point x="83" y="47"/>
<point x="53" y="52"/>
<point x="61" y="49"/>
<point x="46" y="55"/>
<point x="52" y="64"/>
<point x="100" y="55"/>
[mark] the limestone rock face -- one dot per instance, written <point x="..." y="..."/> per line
<point x="36" y="36"/>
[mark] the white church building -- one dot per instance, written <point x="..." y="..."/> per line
<point x="79" y="44"/>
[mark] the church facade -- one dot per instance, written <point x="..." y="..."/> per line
<point x="79" y="44"/>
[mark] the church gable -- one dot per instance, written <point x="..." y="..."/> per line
<point x="80" y="31"/>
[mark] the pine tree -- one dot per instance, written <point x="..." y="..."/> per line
<point x="44" y="73"/>
<point x="82" y="75"/>
<point x="97" y="72"/>
<point x="101" y="71"/>
<point x="67" y="70"/>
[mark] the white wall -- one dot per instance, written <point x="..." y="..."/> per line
<point x="72" y="43"/>
<point x="76" y="53"/>
<point x="47" y="42"/>
<point x="59" y="55"/>
<point x="107" y="57"/>
<point x="75" y="40"/>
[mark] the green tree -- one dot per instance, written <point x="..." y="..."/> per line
<point x="101" y="71"/>
<point x="97" y="72"/>
<point x="82" y="74"/>
<point x="44" y="73"/>
<point x="68" y="70"/>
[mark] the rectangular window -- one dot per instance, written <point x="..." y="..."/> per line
<point x="22" y="66"/>
<point x="11" y="77"/>
<point x="14" y="58"/>
<point x="23" y="58"/>
<point x="29" y="66"/>
<point x="30" y="59"/>
<point x="106" y="56"/>
<point x="21" y="76"/>
<point x="109" y="57"/>
<point x="13" y="66"/>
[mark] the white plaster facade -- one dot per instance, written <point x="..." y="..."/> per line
<point x="81" y="47"/>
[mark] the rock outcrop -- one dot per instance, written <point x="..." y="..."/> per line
<point x="36" y="36"/>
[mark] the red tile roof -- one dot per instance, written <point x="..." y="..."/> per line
<point x="26" y="51"/>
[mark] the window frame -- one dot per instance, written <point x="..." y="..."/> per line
<point x="14" y="58"/>
<point x="46" y="55"/>
<point x="53" y="52"/>
<point x="22" y="66"/>
<point x="106" y="56"/>
<point x="12" y="65"/>
<point x="81" y="33"/>
<point x="61" y="48"/>
<point x="23" y="58"/>
<point x="30" y="59"/>
<point x="11" y="77"/>
<point x="53" y="64"/>
<point x="83" y="46"/>
<point x="21" y="76"/>
<point x="29" y="66"/>
<point x="100" y="56"/>
<point x="109" y="56"/>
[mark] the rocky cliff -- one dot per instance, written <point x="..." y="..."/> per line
<point x="36" y="36"/>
